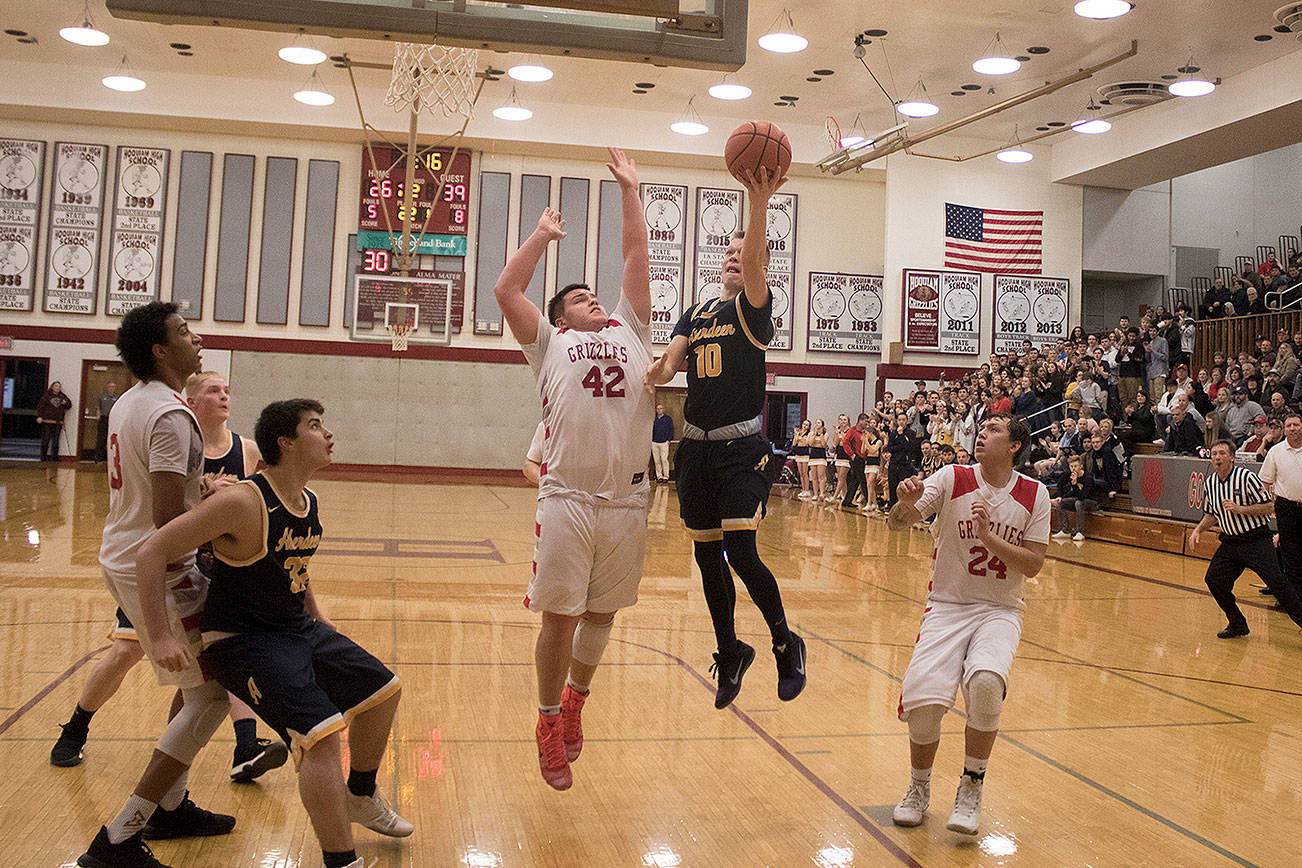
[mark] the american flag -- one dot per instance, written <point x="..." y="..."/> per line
<point x="987" y="239"/>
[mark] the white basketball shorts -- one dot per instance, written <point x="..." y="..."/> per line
<point x="587" y="557"/>
<point x="955" y="641"/>
<point x="186" y="592"/>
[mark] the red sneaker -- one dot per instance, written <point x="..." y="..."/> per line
<point x="551" y="752"/>
<point x="571" y="721"/>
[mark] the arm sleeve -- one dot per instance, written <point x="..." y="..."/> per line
<point x="935" y="491"/>
<point x="1041" y="517"/>
<point x="1268" y="468"/>
<point x="169" y="443"/>
<point x="535" y="453"/>
<point x="1207" y="495"/>
<point x="1252" y="487"/>
<point x="534" y="352"/>
<point x="759" y="321"/>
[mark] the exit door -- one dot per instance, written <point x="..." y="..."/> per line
<point x="784" y="412"/>
<point x="92" y="425"/>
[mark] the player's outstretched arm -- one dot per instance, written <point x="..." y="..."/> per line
<point x="904" y="514"/>
<point x="662" y="370"/>
<point x="760" y="188"/>
<point x="521" y="313"/>
<point x="231" y="513"/>
<point x="637" y="258"/>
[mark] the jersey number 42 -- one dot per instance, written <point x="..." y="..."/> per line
<point x="607" y="386"/>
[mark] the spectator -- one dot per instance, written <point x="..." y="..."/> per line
<point x="1069" y="442"/>
<point x="106" y="402"/>
<point x="662" y="432"/>
<point x="1112" y="442"/>
<point x="1269" y="263"/>
<point x="1258" y="437"/>
<point x="1182" y="399"/>
<point x="1159" y="363"/>
<point x="1183" y="438"/>
<point x="1076" y="493"/>
<point x="50" y="411"/>
<point x="1216" y="382"/>
<point x="1215" y="301"/>
<point x="1278" y="406"/>
<point x="999" y="401"/>
<point x="1165" y="404"/>
<point x="1132" y="365"/>
<point x="1139" y="416"/>
<point x="1286" y="365"/>
<point x="1216" y="430"/>
<point x="1240" y="414"/>
<point x="1103" y="466"/>
<point x="1088" y="393"/>
<point x="1252" y="303"/>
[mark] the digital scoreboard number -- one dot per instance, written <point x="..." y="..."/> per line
<point x="384" y="192"/>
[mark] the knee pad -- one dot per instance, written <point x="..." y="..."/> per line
<point x="590" y="641"/>
<point x="204" y="710"/>
<point x="924" y="724"/>
<point x="984" y="697"/>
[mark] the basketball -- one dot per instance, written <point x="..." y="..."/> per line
<point x="755" y="144"/>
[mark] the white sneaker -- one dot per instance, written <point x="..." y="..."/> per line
<point x="912" y="808"/>
<point x="375" y="813"/>
<point x="967" y="807"/>
<point x="360" y="863"/>
<point x="1079" y="536"/>
<point x="1062" y="534"/>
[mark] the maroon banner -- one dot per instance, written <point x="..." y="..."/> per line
<point x="921" y="299"/>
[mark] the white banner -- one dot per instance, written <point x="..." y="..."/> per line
<point x="718" y="217"/>
<point x="1029" y="308"/>
<point x="22" y="171"/>
<point x="135" y="248"/>
<point x="781" y="232"/>
<point x="845" y="313"/>
<point x="76" y="219"/>
<point x="960" y="312"/>
<point x="665" y="209"/>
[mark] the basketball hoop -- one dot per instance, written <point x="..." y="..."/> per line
<point x="433" y="76"/>
<point x="833" y="133"/>
<point x="398" y="333"/>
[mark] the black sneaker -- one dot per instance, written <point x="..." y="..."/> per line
<point x="1266" y="592"/>
<point x="791" y="668"/>
<point x="187" y="820"/>
<point x="1233" y="631"/>
<point x="131" y="853"/>
<point x="729" y="671"/>
<point x="254" y="760"/>
<point x="67" y="750"/>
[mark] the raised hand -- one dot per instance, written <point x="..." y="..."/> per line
<point x="551" y="224"/>
<point x="624" y="169"/>
<point x="760" y="184"/>
<point x="981" y="518"/>
<point x="909" y="490"/>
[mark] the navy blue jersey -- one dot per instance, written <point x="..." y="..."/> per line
<point x="265" y="593"/>
<point x="230" y="464"/>
<point x="726" y="341"/>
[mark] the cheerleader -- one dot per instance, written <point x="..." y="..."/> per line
<point x="800" y="452"/>
<point x="818" y="461"/>
<point x="842" y="458"/>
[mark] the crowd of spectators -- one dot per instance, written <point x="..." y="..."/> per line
<point x="1246" y="293"/>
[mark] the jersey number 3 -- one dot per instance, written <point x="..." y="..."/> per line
<point x="115" y="470"/>
<point x="983" y="563"/>
<point x="609" y="387"/>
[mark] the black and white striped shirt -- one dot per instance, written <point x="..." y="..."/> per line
<point x="1243" y="487"/>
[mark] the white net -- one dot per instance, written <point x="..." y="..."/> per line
<point x="433" y="76"/>
<point x="398" y="333"/>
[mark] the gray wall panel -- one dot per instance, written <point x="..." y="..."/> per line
<point x="572" y="250"/>
<point x="318" y="243"/>
<point x="233" y="237"/>
<point x="610" y="252"/>
<point x="277" y="239"/>
<point x="490" y="248"/>
<point x="350" y="270"/>
<point x="191" y="246"/>
<point x="535" y="195"/>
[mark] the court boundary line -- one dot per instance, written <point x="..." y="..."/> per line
<point x="1159" y="582"/>
<point x="48" y="689"/>
<point x="1085" y="779"/>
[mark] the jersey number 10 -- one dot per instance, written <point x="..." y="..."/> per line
<point x="709" y="361"/>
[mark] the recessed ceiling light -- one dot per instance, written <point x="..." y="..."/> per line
<point x="645" y="85"/>
<point x="1021" y="58"/>
<point x="874" y="33"/>
<point x="971" y="86"/>
<point x="302" y="55"/>
<point x="1014" y="155"/>
<point x="812" y="78"/>
<point x="782" y="38"/>
<point x="1102" y="9"/>
<point x="530" y="72"/>
<point x="789" y="98"/>
<point x="191" y="54"/>
<point x="825" y="72"/>
<point x="1056" y="124"/>
<point x="179" y="46"/>
<point x="1037" y="49"/>
<point x="730" y="91"/>
<point x="1265" y="37"/>
<point x="1042" y="129"/>
<point x="27" y="40"/>
<point x="958" y="93"/>
<point x="12" y="32"/>
<point x="639" y="90"/>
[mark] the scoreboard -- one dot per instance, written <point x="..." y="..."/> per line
<point x="384" y="192"/>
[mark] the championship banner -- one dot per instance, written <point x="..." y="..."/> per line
<point x="665" y="209"/>
<point x="76" y="219"/>
<point x="1029" y="308"/>
<point x="718" y="217"/>
<point x="844" y="313"/>
<point x="135" y="247"/>
<point x="22" y="169"/>
<point x="921" y="309"/>
<point x="960" y="312"/>
<point x="781" y="232"/>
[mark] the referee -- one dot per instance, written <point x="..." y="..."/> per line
<point x="1235" y="499"/>
<point x="1283" y="472"/>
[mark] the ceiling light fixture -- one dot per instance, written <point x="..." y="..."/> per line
<point x="1091" y="124"/>
<point x="729" y="90"/>
<point x="85" y="33"/>
<point x="300" y="53"/>
<point x="922" y="107"/>
<point x="123" y="79"/>
<point x="313" y="93"/>
<point x="1015" y="153"/>
<point x="996" y="60"/>
<point x="857" y="135"/>
<point x="783" y="39"/>
<point x="1190" y="83"/>
<point x="511" y="110"/>
<point x="690" y="124"/>
<point x="1103" y="9"/>
<point x="531" y="70"/>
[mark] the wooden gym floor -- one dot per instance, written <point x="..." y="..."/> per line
<point x="1131" y="734"/>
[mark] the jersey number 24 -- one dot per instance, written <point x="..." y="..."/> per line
<point x="983" y="563"/>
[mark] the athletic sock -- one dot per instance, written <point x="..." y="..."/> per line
<point x="920" y="776"/>
<point x="744" y="558"/>
<point x="361" y="784"/>
<point x="549" y="710"/>
<point x="80" y="718"/>
<point x="246" y="732"/>
<point x="576" y="686"/>
<point x="975" y="766"/>
<point x="135" y="814"/>
<point x="176" y="794"/>
<point x="720" y="593"/>
<point x="342" y="859"/>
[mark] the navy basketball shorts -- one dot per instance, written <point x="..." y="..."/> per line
<point x="305" y="685"/>
<point x="723" y="485"/>
<point x="122" y="627"/>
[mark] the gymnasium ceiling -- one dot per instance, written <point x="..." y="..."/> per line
<point x="235" y="76"/>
